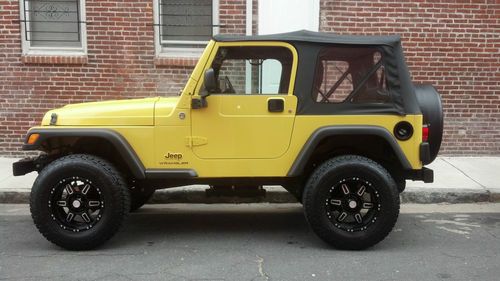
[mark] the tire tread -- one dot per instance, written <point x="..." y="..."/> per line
<point x="119" y="190"/>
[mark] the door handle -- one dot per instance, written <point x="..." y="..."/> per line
<point x="276" y="105"/>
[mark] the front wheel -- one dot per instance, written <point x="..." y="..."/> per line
<point x="79" y="201"/>
<point x="351" y="202"/>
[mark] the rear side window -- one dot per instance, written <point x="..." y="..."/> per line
<point x="350" y="75"/>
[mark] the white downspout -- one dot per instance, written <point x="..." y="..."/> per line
<point x="249" y="23"/>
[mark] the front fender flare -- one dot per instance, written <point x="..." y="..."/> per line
<point x="117" y="140"/>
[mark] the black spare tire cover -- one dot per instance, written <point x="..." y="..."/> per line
<point x="431" y="106"/>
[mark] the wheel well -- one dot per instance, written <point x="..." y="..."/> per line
<point x="373" y="147"/>
<point x="98" y="146"/>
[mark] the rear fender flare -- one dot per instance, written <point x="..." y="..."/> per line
<point x="317" y="136"/>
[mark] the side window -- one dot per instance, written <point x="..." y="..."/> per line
<point x="253" y="70"/>
<point x="334" y="82"/>
<point x="50" y="27"/>
<point x="350" y="75"/>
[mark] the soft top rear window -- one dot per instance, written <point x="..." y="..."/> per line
<point x="350" y="75"/>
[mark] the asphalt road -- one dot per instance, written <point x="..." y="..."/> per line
<point x="259" y="242"/>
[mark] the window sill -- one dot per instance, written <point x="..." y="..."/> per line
<point x="54" y="59"/>
<point x="171" y="61"/>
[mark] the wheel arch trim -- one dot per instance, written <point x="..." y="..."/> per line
<point x="317" y="136"/>
<point x="117" y="140"/>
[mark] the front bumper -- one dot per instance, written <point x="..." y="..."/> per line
<point x="24" y="166"/>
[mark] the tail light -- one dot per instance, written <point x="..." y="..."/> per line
<point x="425" y="133"/>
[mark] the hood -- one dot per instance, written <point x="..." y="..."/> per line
<point x="132" y="112"/>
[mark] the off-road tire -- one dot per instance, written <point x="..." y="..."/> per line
<point x="400" y="183"/>
<point x="319" y="187"/>
<point x="111" y="188"/>
<point x="139" y="196"/>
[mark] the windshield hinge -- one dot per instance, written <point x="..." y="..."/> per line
<point x="196" y="141"/>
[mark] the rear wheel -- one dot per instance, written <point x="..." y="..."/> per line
<point x="351" y="202"/>
<point x="79" y="201"/>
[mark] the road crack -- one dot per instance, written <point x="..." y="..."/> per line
<point x="260" y="266"/>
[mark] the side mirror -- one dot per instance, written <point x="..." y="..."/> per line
<point x="210" y="81"/>
<point x="210" y="87"/>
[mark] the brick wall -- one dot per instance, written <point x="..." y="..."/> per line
<point x="120" y="64"/>
<point x="452" y="44"/>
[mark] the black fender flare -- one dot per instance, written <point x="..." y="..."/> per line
<point x="117" y="140"/>
<point x="328" y="131"/>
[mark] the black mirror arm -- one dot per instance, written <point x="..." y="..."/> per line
<point x="197" y="103"/>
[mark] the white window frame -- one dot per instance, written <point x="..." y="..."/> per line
<point x="54" y="50"/>
<point x="190" y="52"/>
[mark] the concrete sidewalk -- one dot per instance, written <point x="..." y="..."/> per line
<point x="457" y="180"/>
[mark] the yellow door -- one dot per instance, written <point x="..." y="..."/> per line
<point x="241" y="126"/>
<point x="251" y="108"/>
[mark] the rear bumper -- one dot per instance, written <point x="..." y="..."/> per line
<point x="425" y="174"/>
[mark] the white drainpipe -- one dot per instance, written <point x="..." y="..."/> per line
<point x="248" y="69"/>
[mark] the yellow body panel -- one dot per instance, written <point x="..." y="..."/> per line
<point x="306" y="125"/>
<point x="258" y="133"/>
<point x="165" y="110"/>
<point x="279" y="167"/>
<point x="234" y="136"/>
<point x="154" y="143"/>
<point x="241" y="127"/>
<point x="132" y="112"/>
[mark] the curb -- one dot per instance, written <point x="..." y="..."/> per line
<point x="448" y="195"/>
<point x="198" y="195"/>
<point x="14" y="197"/>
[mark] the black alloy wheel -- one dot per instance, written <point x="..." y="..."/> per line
<point x="351" y="202"/>
<point x="76" y="204"/>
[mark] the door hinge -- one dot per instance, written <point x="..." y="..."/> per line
<point x="196" y="141"/>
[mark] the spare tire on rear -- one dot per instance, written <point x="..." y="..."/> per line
<point x="431" y="106"/>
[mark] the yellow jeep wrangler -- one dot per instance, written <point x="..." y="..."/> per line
<point x="334" y="119"/>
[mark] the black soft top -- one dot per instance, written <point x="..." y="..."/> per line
<point x="314" y="37"/>
<point x="309" y="45"/>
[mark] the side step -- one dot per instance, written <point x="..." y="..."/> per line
<point x="235" y="191"/>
